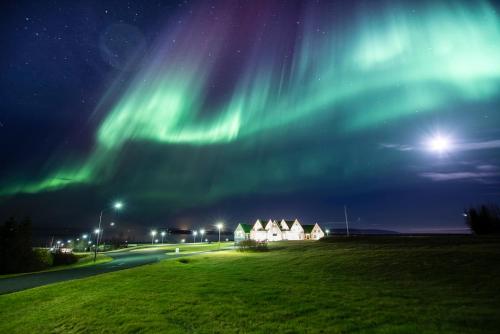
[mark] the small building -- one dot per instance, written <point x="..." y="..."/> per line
<point x="313" y="232"/>
<point x="242" y="232"/>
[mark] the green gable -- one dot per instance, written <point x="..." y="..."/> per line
<point x="246" y="227"/>
<point x="308" y="228"/>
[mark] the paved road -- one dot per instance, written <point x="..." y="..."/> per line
<point x="121" y="260"/>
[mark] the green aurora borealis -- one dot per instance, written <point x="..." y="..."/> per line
<point x="306" y="105"/>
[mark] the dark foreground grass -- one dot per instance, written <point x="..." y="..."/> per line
<point x="367" y="285"/>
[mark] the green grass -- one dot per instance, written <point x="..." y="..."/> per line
<point x="183" y="248"/>
<point x="363" y="285"/>
<point x="86" y="259"/>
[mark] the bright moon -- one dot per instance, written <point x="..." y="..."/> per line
<point x="439" y="144"/>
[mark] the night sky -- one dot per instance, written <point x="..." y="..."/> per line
<point x="192" y="112"/>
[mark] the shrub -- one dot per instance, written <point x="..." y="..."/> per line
<point x="252" y="246"/>
<point x="484" y="220"/>
<point x="64" y="258"/>
<point x="43" y="259"/>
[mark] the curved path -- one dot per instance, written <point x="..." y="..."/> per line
<point x="121" y="260"/>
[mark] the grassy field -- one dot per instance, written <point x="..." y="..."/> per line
<point x="183" y="248"/>
<point x="362" y="284"/>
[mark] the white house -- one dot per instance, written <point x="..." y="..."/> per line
<point x="275" y="230"/>
<point x="259" y="231"/>
<point x="242" y="232"/>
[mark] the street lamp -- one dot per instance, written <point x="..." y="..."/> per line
<point x="85" y="236"/>
<point x="327" y="232"/>
<point x="162" y="236"/>
<point x="219" y="227"/>
<point x="153" y="233"/>
<point x="194" y="236"/>
<point x="202" y="231"/>
<point x="116" y="206"/>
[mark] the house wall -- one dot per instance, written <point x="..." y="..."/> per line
<point x="296" y="232"/>
<point x="317" y="233"/>
<point x="274" y="233"/>
<point x="258" y="235"/>
<point x="239" y="234"/>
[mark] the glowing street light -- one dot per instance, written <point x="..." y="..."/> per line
<point x="153" y="233"/>
<point x="85" y="236"/>
<point x="219" y="227"/>
<point x="194" y="236"/>
<point x="117" y="206"/>
<point x="202" y="231"/>
<point x="327" y="232"/>
<point x="162" y="236"/>
<point x="112" y="224"/>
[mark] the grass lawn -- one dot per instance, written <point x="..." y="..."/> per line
<point x="183" y="248"/>
<point x="362" y="284"/>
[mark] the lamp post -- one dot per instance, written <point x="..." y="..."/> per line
<point x="202" y="231"/>
<point x="116" y="206"/>
<point x="219" y="227"/>
<point x="153" y="233"/>
<point x="327" y="232"/>
<point x="194" y="236"/>
<point x="162" y="236"/>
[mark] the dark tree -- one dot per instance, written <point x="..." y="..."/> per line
<point x="16" y="252"/>
<point x="484" y="219"/>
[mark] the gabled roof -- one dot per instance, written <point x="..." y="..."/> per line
<point x="246" y="227"/>
<point x="289" y="223"/>
<point x="263" y="222"/>
<point x="308" y="228"/>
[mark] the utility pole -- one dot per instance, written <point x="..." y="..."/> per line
<point x="346" y="221"/>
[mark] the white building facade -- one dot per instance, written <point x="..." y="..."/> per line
<point x="277" y="230"/>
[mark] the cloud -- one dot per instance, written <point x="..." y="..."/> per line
<point x="398" y="147"/>
<point x="473" y="146"/>
<point x="478" y="176"/>
<point x="484" y="145"/>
